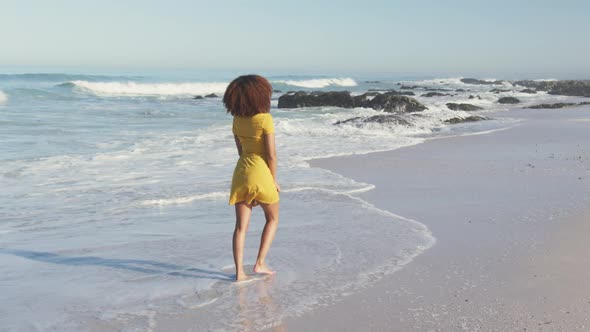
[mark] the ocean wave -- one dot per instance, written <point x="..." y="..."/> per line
<point x="319" y="82"/>
<point x="186" y="199"/>
<point x="3" y="97"/>
<point x="148" y="89"/>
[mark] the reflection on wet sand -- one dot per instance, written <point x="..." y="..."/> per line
<point x="251" y="297"/>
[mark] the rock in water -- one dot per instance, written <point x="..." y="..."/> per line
<point x="435" y="94"/>
<point x="472" y="118"/>
<point x="565" y="88"/>
<point x="198" y="97"/>
<point x="480" y="82"/>
<point x="401" y="93"/>
<point x="531" y="91"/>
<point x="381" y="119"/>
<point x="463" y="107"/>
<point x="390" y="101"/>
<point x="317" y="98"/>
<point x="500" y="90"/>
<point x="508" y="100"/>
<point x="557" y="105"/>
<point x="571" y="88"/>
<point x="211" y="95"/>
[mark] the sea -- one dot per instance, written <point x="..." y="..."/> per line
<point x="114" y="198"/>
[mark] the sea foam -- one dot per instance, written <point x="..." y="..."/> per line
<point x="149" y="89"/>
<point x="3" y="97"/>
<point x="319" y="82"/>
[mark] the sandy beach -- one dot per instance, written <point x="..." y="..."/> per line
<point x="511" y="214"/>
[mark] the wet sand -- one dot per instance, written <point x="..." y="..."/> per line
<point x="511" y="214"/>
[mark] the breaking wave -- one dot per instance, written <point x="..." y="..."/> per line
<point x="3" y="97"/>
<point x="148" y="89"/>
<point x="319" y="82"/>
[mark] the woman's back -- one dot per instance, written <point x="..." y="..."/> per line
<point x="250" y="130"/>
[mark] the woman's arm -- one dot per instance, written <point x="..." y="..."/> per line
<point x="271" y="156"/>
<point x="238" y="145"/>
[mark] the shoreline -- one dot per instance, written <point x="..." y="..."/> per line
<point x="479" y="257"/>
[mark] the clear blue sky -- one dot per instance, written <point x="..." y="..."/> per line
<point x="300" y="35"/>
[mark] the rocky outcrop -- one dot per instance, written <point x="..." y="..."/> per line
<point x="508" y="100"/>
<point x="558" y="105"/>
<point x="211" y="95"/>
<point x="408" y="87"/>
<point x="390" y="101"/>
<point x="472" y="118"/>
<point x="435" y="94"/>
<point x="312" y="99"/>
<point x="389" y="119"/>
<point x="198" y="97"/>
<point x="473" y="97"/>
<point x="565" y="88"/>
<point x="463" y="107"/>
<point x="401" y="93"/>
<point x="437" y="89"/>
<point x="531" y="91"/>
<point x="552" y="106"/>
<point x="500" y="90"/>
<point x="480" y="82"/>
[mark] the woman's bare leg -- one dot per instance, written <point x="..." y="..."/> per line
<point x="271" y="213"/>
<point x="243" y="213"/>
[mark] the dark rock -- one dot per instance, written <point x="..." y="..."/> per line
<point x="565" y="88"/>
<point x="435" y="94"/>
<point x="390" y="101"/>
<point x="372" y="81"/>
<point x="390" y="119"/>
<point x="556" y="105"/>
<point x="531" y="91"/>
<point x="401" y="93"/>
<point x="571" y="88"/>
<point x="437" y="89"/>
<point x="584" y="103"/>
<point x="500" y="90"/>
<point x="460" y="90"/>
<point x="408" y="87"/>
<point x="399" y="84"/>
<point x="480" y="82"/>
<point x="473" y="97"/>
<point x="537" y="85"/>
<point x="198" y="97"/>
<point x="277" y="91"/>
<point x="508" y="100"/>
<point x="471" y="118"/>
<point x="316" y="98"/>
<point x="463" y="107"/>
<point x="211" y="95"/>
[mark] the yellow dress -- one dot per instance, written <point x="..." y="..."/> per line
<point x="252" y="181"/>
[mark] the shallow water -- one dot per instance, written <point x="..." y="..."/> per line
<point x="114" y="202"/>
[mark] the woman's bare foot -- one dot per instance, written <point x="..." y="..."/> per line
<point x="242" y="277"/>
<point x="262" y="268"/>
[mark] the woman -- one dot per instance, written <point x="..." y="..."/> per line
<point x="254" y="182"/>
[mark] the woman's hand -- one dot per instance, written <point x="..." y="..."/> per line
<point x="278" y="187"/>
